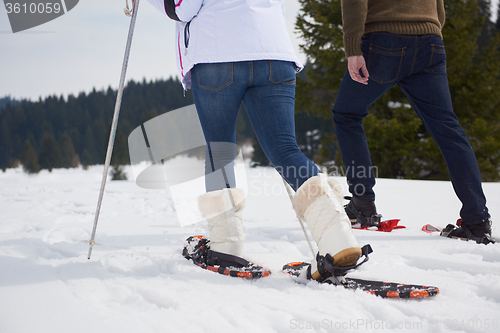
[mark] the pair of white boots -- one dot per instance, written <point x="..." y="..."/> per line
<point x="317" y="202"/>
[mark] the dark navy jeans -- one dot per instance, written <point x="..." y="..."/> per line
<point x="267" y="88"/>
<point x="417" y="64"/>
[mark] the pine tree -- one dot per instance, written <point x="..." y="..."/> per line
<point x="400" y="146"/>
<point x="498" y="17"/>
<point x="5" y="144"/>
<point x="89" y="154"/>
<point x="29" y="159"/>
<point x="86" y="157"/>
<point x="118" y="173"/>
<point x="49" y="155"/>
<point x="474" y="78"/>
<point x="120" y="149"/>
<point x="320" y="25"/>
<point x="67" y="151"/>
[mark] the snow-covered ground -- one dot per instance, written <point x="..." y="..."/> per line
<point x="138" y="281"/>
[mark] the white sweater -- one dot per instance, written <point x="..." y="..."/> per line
<point x="211" y="31"/>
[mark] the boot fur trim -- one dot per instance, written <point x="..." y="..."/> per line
<point x="310" y="190"/>
<point x="215" y="203"/>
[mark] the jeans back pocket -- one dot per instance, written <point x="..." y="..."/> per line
<point x="281" y="72"/>
<point x="438" y="55"/>
<point x="214" y="76"/>
<point x="384" y="64"/>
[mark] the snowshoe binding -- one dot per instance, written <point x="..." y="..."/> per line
<point x="479" y="232"/>
<point x="335" y="275"/>
<point x="197" y="248"/>
<point x="328" y="271"/>
<point x="362" y="213"/>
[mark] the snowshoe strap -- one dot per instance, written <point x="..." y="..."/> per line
<point x="370" y="221"/>
<point x="225" y="260"/>
<point x="334" y="274"/>
<point x="485" y="239"/>
<point x="364" y="221"/>
<point x="447" y="230"/>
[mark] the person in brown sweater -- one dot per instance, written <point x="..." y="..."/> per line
<point x="400" y="43"/>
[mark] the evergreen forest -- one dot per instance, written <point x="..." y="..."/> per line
<point x="58" y="132"/>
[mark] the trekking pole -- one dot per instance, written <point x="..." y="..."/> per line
<point x="290" y="195"/>
<point x="111" y="142"/>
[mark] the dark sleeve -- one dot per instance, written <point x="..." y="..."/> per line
<point x="170" y="9"/>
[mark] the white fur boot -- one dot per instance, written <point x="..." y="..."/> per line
<point x="317" y="202"/>
<point x="222" y="210"/>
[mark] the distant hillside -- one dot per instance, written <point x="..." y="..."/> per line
<point x="59" y="132"/>
<point x="6" y="100"/>
<point x="80" y="125"/>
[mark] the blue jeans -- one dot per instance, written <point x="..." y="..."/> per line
<point x="267" y="88"/>
<point x="417" y="64"/>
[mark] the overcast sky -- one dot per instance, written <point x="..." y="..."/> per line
<point x="84" y="49"/>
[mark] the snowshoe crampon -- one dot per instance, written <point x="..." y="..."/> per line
<point x="384" y="226"/>
<point x="197" y="248"/>
<point x="428" y="228"/>
<point x="299" y="270"/>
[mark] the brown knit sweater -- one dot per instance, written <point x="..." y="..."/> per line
<point x="409" y="17"/>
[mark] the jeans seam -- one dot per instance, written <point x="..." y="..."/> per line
<point x="420" y="115"/>
<point x="250" y="76"/>
<point x="274" y="166"/>
<point x="414" y="57"/>
<point x="432" y="56"/>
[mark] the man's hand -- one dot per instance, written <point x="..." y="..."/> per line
<point x="354" y="64"/>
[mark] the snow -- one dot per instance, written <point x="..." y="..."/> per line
<point x="138" y="281"/>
